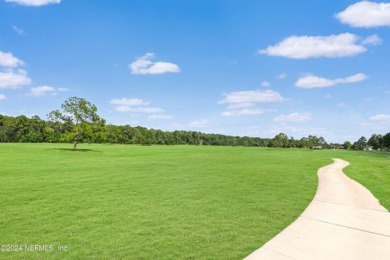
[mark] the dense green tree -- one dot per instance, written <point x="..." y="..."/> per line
<point x="376" y="142"/>
<point x="304" y="143"/>
<point x="293" y="143"/>
<point x="347" y="145"/>
<point x="280" y="140"/>
<point x="81" y="114"/>
<point x="386" y="142"/>
<point x="360" y="144"/>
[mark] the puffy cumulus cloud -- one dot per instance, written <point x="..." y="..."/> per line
<point x="251" y="96"/>
<point x="243" y="112"/>
<point x="293" y="117"/>
<point x="366" y="14"/>
<point x="42" y="91"/>
<point x="313" y="81"/>
<point x="144" y="65"/>
<point x="130" y="102"/>
<point x="34" y="2"/>
<point x="142" y="110"/>
<point x="304" y="47"/>
<point x="244" y="103"/>
<point x="381" y="118"/>
<point x="138" y="106"/>
<point x="241" y="105"/>
<point x="8" y="60"/>
<point x="2" y="97"/>
<point x="14" y="79"/>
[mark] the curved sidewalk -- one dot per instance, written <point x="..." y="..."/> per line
<point x="344" y="221"/>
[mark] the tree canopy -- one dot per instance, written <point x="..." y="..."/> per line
<point x="80" y="113"/>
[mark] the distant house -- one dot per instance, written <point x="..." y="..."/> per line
<point x="317" y="147"/>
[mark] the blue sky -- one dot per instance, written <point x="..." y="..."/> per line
<point x="250" y="67"/>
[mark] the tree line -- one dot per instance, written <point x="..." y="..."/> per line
<point x="375" y="142"/>
<point x="79" y="122"/>
<point x="37" y="130"/>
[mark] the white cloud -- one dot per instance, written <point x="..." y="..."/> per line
<point x="2" y="97"/>
<point x="142" y="110"/>
<point x="129" y="102"/>
<point x="240" y="105"/>
<point x="42" y="91"/>
<point x="380" y="117"/>
<point x="352" y="79"/>
<point x="18" y="30"/>
<point x="313" y="81"/>
<point x="144" y="65"/>
<point x="282" y="76"/>
<point x="34" y="2"/>
<point x="138" y="106"/>
<point x="7" y="59"/>
<point x="252" y="96"/>
<point x="265" y="84"/>
<point x="243" y="112"/>
<point x="14" y="79"/>
<point x="243" y="103"/>
<point x="372" y="40"/>
<point x="366" y="14"/>
<point x="199" y="123"/>
<point x="377" y="124"/>
<point x="63" y="89"/>
<point x="160" y="117"/>
<point x="294" y="117"/>
<point x="303" y="47"/>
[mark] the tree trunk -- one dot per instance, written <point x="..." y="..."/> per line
<point x="75" y="143"/>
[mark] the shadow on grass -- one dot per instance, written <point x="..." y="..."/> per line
<point x="76" y="151"/>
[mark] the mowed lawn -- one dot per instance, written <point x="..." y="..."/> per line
<point x="372" y="169"/>
<point x="156" y="202"/>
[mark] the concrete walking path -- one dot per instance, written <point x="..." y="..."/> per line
<point x="344" y="221"/>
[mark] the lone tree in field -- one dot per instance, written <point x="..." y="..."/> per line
<point x="79" y="113"/>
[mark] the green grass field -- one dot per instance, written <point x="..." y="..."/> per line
<point x="161" y="202"/>
<point x="372" y="169"/>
